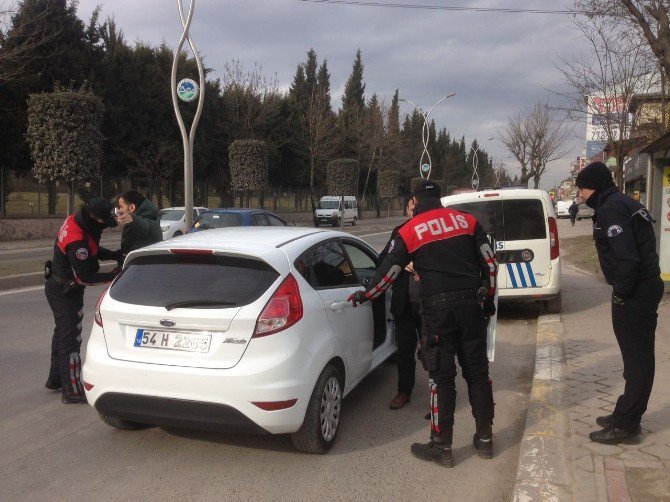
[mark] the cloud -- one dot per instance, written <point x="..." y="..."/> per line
<point x="496" y="63"/>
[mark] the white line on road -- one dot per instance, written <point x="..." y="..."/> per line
<point x="21" y="290"/>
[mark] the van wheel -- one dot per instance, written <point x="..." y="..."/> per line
<point x="319" y="429"/>
<point x="553" y="306"/>
<point x="316" y="224"/>
<point x="337" y="223"/>
<point x="125" y="425"/>
<point x="177" y="233"/>
<point x="353" y="222"/>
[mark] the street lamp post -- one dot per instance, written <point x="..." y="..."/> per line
<point x="426" y="168"/>
<point x="188" y="91"/>
<point x="475" y="164"/>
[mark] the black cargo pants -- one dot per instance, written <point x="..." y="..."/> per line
<point x="460" y="330"/>
<point x="408" y="330"/>
<point x="634" y="325"/>
<point x="68" y="312"/>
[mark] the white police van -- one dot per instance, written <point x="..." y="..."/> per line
<point x="333" y="208"/>
<point x="523" y="224"/>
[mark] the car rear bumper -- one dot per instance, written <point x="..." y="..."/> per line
<point x="551" y="290"/>
<point x="179" y="395"/>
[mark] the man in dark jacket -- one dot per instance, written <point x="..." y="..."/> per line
<point x="452" y="255"/>
<point x="141" y="219"/>
<point x="573" y="210"/>
<point x="626" y="245"/>
<point x="405" y="309"/>
<point x="74" y="266"/>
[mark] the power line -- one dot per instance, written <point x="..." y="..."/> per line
<point x="362" y="3"/>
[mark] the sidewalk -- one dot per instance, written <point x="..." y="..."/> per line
<point x="578" y="377"/>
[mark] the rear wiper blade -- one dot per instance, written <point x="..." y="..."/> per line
<point x="197" y="303"/>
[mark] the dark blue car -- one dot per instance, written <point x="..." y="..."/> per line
<point x="236" y="217"/>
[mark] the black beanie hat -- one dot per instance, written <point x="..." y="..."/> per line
<point x="103" y="209"/>
<point x="595" y="176"/>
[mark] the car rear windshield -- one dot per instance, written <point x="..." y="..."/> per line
<point x="161" y="280"/>
<point x="172" y="214"/>
<point x="509" y="220"/>
<point x="219" y="220"/>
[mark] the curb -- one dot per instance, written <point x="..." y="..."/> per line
<point x="544" y="473"/>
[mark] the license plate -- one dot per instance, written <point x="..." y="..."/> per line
<point x="187" y="342"/>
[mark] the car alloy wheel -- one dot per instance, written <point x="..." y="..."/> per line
<point x="330" y="408"/>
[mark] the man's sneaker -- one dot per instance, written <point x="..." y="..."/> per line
<point x="605" y="421"/>
<point x="437" y="450"/>
<point x="53" y="383"/>
<point x="614" y="435"/>
<point x="484" y="446"/>
<point x="400" y="400"/>
<point x="69" y="398"/>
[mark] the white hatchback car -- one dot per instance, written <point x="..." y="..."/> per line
<point x="240" y="330"/>
<point x="173" y="222"/>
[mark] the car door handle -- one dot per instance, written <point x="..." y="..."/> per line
<point x="338" y="305"/>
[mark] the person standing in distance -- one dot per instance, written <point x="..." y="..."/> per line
<point x="405" y="300"/>
<point x="626" y="245"/>
<point x="141" y="222"/>
<point x="573" y="210"/>
<point x="452" y="255"/>
<point x="75" y="265"/>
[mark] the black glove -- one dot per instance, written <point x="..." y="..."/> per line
<point x="120" y="258"/>
<point x="357" y="298"/>
<point x="489" y="307"/>
<point x="617" y="298"/>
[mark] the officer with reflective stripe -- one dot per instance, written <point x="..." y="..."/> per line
<point x="75" y="266"/>
<point x="452" y="255"/>
<point x="626" y="245"/>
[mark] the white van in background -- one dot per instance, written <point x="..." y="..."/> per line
<point x="562" y="207"/>
<point x="329" y="212"/>
<point x="523" y="224"/>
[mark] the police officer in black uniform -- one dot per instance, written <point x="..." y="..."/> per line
<point x="452" y="255"/>
<point x="626" y="245"/>
<point x="75" y="266"/>
<point x="405" y="309"/>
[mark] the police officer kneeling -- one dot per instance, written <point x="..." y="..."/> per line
<point x="75" y="266"/>
<point x="453" y="257"/>
<point x="626" y="245"/>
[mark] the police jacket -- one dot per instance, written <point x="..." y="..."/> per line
<point x="77" y="251"/>
<point x="405" y="288"/>
<point x="144" y="230"/>
<point x="450" y="251"/>
<point x="625" y="241"/>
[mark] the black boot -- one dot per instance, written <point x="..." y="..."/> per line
<point x="438" y="449"/>
<point x="614" y="435"/>
<point x="605" y="421"/>
<point x="53" y="383"/>
<point x="483" y="439"/>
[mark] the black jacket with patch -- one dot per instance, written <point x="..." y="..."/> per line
<point x="625" y="241"/>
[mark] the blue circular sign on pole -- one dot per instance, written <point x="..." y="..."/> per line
<point x="187" y="90"/>
<point x="425" y="168"/>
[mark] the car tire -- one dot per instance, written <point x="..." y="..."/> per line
<point x="322" y="418"/>
<point x="553" y="306"/>
<point x="126" y="425"/>
<point x="177" y="233"/>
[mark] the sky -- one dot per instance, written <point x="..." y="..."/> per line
<point x="496" y="63"/>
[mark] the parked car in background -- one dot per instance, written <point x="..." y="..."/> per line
<point x="238" y="330"/>
<point x="562" y="207"/>
<point x="173" y="221"/>
<point x="237" y="217"/>
<point x="584" y="212"/>
<point x="523" y="224"/>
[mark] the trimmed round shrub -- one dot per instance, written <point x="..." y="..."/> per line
<point x="248" y="164"/>
<point x="342" y="177"/>
<point x="388" y="184"/>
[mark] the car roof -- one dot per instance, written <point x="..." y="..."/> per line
<point x="238" y="210"/>
<point x="249" y="241"/>
<point x="180" y="208"/>
<point x="512" y="193"/>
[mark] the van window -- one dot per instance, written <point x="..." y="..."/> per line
<point x="329" y="204"/>
<point x="511" y="220"/>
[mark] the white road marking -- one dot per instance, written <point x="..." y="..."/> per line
<point x="21" y="290"/>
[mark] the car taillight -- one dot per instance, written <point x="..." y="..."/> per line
<point x="282" y="311"/>
<point x="553" y="238"/>
<point x="98" y="316"/>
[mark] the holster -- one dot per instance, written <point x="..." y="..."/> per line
<point x="429" y="356"/>
<point x="47" y="269"/>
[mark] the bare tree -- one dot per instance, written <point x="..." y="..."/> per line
<point x="19" y="43"/>
<point x="535" y="137"/>
<point x="604" y="81"/>
<point x="374" y="136"/>
<point x="154" y="163"/>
